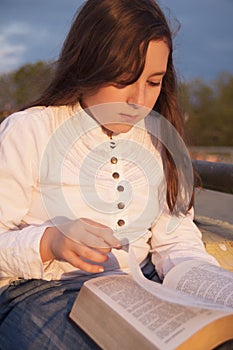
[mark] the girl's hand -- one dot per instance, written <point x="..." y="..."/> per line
<point x="76" y="241"/>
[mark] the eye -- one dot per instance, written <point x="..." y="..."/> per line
<point x="154" y="83"/>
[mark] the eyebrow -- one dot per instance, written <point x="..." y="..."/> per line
<point x="157" y="73"/>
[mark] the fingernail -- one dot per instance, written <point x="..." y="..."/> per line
<point x="101" y="269"/>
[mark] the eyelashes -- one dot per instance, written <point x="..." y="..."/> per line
<point x="154" y="84"/>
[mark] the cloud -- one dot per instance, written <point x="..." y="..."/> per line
<point x="18" y="44"/>
<point x="10" y="56"/>
<point x="11" y="51"/>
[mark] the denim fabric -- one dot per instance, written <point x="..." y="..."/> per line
<point x="34" y="315"/>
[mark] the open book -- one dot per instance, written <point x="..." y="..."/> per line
<point x="192" y="309"/>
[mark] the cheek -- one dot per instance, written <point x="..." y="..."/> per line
<point x="152" y="98"/>
<point x="110" y="94"/>
<point x="101" y="97"/>
<point x="108" y="98"/>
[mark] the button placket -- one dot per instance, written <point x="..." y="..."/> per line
<point x="116" y="175"/>
<point x="112" y="144"/>
<point x="121" y="205"/>
<point x="116" y="167"/>
<point x="120" y="188"/>
<point x="121" y="222"/>
<point x="114" y="160"/>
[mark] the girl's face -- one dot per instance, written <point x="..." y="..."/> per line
<point x="134" y="101"/>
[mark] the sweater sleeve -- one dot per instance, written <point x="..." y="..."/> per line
<point x="19" y="245"/>
<point x="176" y="239"/>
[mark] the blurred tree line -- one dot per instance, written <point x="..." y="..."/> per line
<point x="208" y="107"/>
<point x="208" y="111"/>
<point x="22" y="86"/>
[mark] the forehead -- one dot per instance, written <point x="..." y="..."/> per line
<point x="157" y="57"/>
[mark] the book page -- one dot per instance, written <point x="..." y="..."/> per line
<point x="203" y="280"/>
<point x="164" y="323"/>
<point x="168" y="291"/>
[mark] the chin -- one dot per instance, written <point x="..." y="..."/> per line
<point x="119" y="128"/>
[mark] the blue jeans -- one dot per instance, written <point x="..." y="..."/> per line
<point x="34" y="315"/>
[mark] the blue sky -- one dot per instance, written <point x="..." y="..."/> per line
<point x="32" y="30"/>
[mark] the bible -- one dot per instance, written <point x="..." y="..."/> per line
<point x="192" y="309"/>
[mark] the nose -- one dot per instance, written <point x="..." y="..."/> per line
<point x="136" y="96"/>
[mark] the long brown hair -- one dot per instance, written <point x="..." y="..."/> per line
<point x="107" y="42"/>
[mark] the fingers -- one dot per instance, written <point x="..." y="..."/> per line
<point x="78" y="256"/>
<point x="91" y="234"/>
<point x="103" y="232"/>
<point x="76" y="261"/>
<point x="93" y="241"/>
<point x="84" y="243"/>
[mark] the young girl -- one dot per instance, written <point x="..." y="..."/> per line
<point x="83" y="170"/>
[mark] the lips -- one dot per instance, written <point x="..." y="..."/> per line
<point x="128" y="116"/>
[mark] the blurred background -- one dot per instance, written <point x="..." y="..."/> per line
<point x="32" y="33"/>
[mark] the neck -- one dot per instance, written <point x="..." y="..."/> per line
<point x="108" y="132"/>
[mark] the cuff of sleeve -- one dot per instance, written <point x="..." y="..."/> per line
<point x="26" y="257"/>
